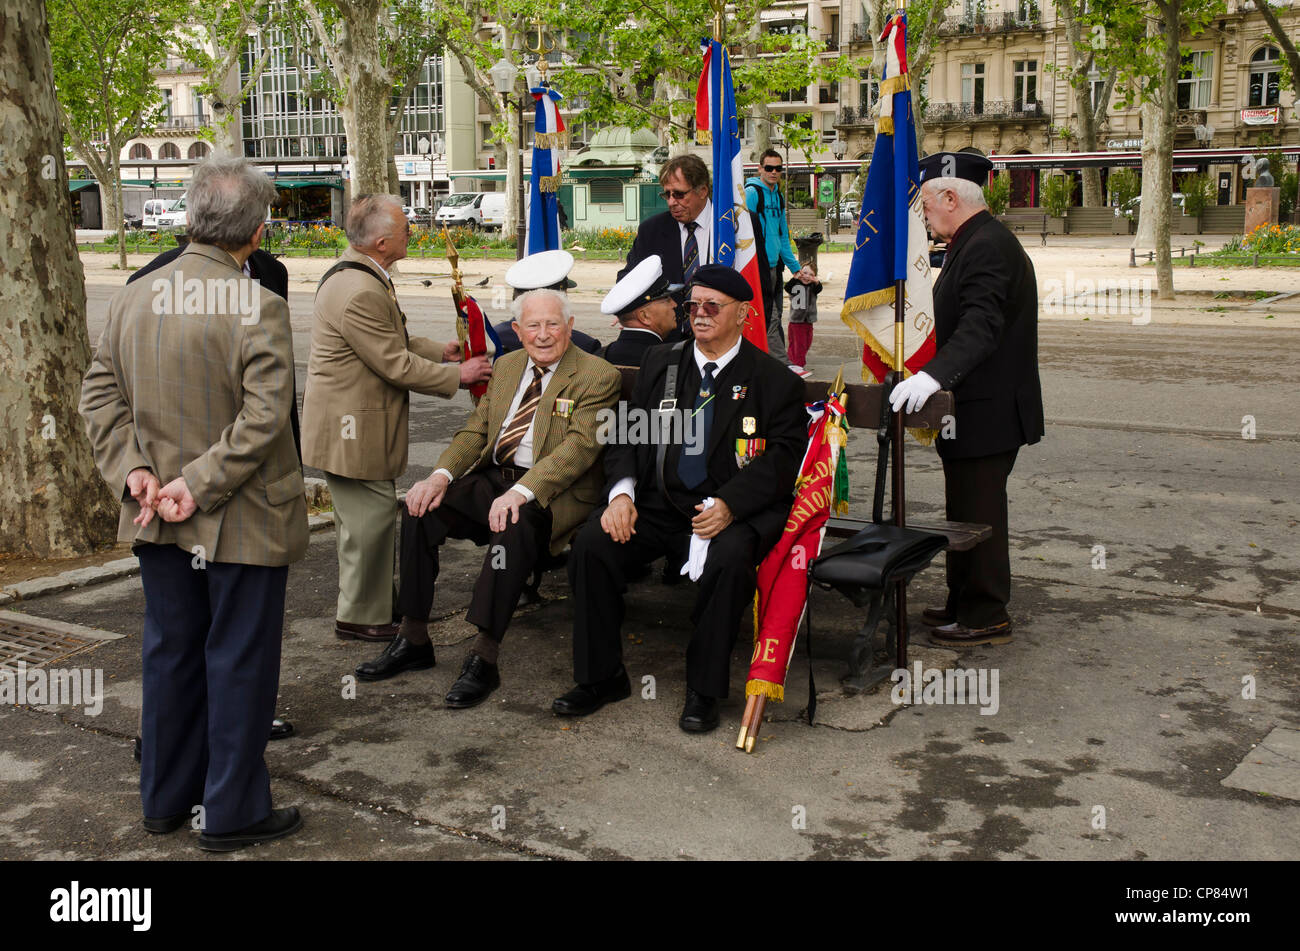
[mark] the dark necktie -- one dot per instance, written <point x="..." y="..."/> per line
<point x="513" y="434"/>
<point x="693" y="468"/>
<point x="690" y="253"/>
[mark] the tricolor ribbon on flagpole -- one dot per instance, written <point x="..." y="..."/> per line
<point x="733" y="232"/>
<point x="544" y="199"/>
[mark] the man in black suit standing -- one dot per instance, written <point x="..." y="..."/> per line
<point x="986" y="331"/>
<point x="643" y="303"/>
<point x="682" y="236"/>
<point x="715" y="497"/>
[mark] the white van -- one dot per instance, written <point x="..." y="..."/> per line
<point x="473" y="210"/>
<point x="153" y="208"/>
<point x="174" y="218"/>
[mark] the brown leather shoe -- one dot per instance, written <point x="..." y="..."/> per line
<point x="956" y="635"/>
<point x="365" y="632"/>
<point x="937" y="617"/>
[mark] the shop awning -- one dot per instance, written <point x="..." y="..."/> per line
<point x="332" y="182"/>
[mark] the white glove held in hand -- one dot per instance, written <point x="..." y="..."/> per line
<point x="694" y="566"/>
<point x="914" y="391"/>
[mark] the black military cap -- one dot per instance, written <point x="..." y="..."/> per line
<point x="968" y="165"/>
<point x="725" y="279"/>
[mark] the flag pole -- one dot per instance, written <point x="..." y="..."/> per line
<point x="900" y="502"/>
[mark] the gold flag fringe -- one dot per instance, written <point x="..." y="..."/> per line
<point x="885" y="125"/>
<point x="703" y="137"/>
<point x="764" y="688"/>
<point x="548" y="183"/>
<point x="895" y="84"/>
<point x="552" y="140"/>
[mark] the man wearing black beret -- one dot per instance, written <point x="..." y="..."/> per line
<point x="986" y="333"/>
<point x="715" y="497"/>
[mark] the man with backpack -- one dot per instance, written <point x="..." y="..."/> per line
<point x="775" y="252"/>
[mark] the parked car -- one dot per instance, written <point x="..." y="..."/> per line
<point x="153" y="208"/>
<point x="473" y="210"/>
<point x="174" y="218"/>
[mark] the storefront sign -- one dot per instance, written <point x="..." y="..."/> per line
<point x="1123" y="145"/>
<point x="1269" y="116"/>
<point x="414" y="171"/>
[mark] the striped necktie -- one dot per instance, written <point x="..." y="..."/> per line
<point x="513" y="434"/>
<point x="690" y="253"/>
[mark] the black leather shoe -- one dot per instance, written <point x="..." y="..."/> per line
<point x="277" y="825"/>
<point x="476" y="682"/>
<point x="281" y="729"/>
<point x="166" y="824"/>
<point x="700" y="713"/>
<point x="588" y="698"/>
<point x="399" y="655"/>
<point x="937" y="617"/>
<point x="364" y="632"/>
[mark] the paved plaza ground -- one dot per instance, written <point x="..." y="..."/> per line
<point x="1122" y="707"/>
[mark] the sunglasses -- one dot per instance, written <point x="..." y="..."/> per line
<point x="774" y="168"/>
<point x="672" y="194"/>
<point x="709" y="308"/>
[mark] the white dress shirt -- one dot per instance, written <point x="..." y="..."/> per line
<point x="524" y="452"/>
<point x="627" y="484"/>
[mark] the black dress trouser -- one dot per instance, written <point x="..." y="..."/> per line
<point x="979" y="580"/>
<point x="598" y="571"/>
<point x="507" y="564"/>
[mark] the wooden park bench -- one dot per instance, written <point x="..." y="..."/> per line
<point x="1019" y="220"/>
<point x="863" y="412"/>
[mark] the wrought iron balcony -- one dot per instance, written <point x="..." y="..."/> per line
<point x="861" y="33"/>
<point x="986" y="111"/>
<point x="856" y="116"/>
<point x="188" y="123"/>
<point x="990" y="23"/>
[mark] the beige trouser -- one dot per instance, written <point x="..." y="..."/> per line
<point x="365" y="524"/>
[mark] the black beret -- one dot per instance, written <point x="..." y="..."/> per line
<point x="725" y="279"/>
<point x="968" y="165"/>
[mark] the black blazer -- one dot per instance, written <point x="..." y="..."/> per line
<point x="986" y="334"/>
<point x="274" y="277"/>
<point x="754" y="386"/>
<point x="630" y="348"/>
<point x="661" y="234"/>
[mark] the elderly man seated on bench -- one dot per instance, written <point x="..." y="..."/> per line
<point x="519" y="478"/>
<point x="716" y="497"/>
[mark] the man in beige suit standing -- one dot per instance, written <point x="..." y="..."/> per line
<point x="187" y="405"/>
<point x="362" y="370"/>
<point x="519" y="478"/>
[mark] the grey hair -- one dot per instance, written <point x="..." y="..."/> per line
<point x="541" y="293"/>
<point x="226" y="202"/>
<point x="967" y="192"/>
<point x="367" y="222"/>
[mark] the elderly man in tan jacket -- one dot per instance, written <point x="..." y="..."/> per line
<point x="363" y="368"/>
<point x="519" y="478"/>
<point x="187" y="405"/>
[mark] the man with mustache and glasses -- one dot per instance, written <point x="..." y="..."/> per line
<point x="715" y="497"/>
<point x="682" y="236"/>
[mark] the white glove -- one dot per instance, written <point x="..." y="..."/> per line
<point x="914" y="391"/>
<point x="694" y="566"/>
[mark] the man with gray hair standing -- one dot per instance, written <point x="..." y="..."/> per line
<point x="187" y="405"/>
<point x="986" y="334"/>
<point x="363" y="367"/>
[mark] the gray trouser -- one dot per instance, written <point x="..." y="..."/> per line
<point x="365" y="526"/>
<point x="775" y="333"/>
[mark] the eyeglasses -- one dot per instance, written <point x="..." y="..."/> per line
<point x="709" y="308"/>
<point x="672" y="194"/>
<point x="774" y="168"/>
<point x="934" y="197"/>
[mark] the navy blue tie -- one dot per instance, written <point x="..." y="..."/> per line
<point x="693" y="467"/>
<point x="690" y="253"/>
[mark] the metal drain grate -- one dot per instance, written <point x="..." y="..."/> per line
<point x="36" y="645"/>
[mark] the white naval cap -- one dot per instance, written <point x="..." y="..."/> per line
<point x="641" y="285"/>
<point x="543" y="269"/>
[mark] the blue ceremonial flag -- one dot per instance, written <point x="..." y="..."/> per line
<point x="891" y="242"/>
<point x="544" y="183"/>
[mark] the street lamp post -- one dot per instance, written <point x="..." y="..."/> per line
<point x="504" y="73"/>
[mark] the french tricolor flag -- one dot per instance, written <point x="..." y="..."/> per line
<point x="544" y="199"/>
<point x="733" y="233"/>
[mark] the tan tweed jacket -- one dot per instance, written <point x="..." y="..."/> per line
<point x="362" y="369"/>
<point x="204" y="392"/>
<point x="566" y="473"/>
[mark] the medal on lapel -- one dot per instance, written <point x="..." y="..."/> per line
<point x="749" y="425"/>
<point x="749" y="449"/>
<point x="563" y="408"/>
<point x="738" y="392"/>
